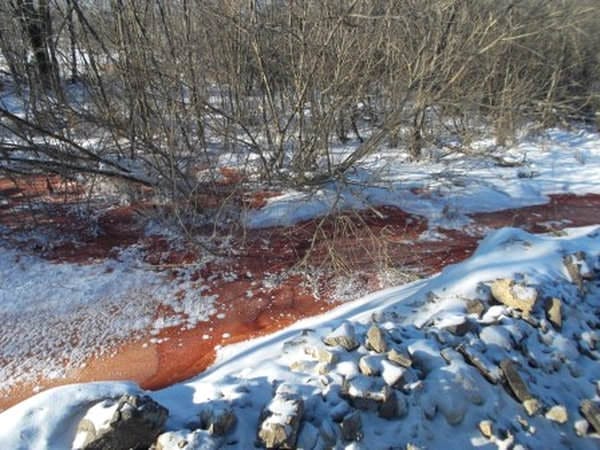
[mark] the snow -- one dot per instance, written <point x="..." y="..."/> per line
<point x="48" y="420"/>
<point x="447" y="190"/>
<point x="443" y="408"/>
<point x="442" y="398"/>
<point x="54" y="315"/>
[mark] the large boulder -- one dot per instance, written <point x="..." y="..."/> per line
<point x="132" y="422"/>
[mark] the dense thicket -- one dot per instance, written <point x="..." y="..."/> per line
<point x="158" y="90"/>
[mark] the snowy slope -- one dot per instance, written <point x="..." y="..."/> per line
<point x="440" y="399"/>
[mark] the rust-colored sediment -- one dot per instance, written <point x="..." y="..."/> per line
<point x="184" y="353"/>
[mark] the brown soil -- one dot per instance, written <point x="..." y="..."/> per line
<point x="357" y="240"/>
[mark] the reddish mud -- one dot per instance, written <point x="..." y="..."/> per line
<point x="247" y="306"/>
<point x="562" y="211"/>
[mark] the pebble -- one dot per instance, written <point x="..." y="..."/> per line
<point x="557" y="414"/>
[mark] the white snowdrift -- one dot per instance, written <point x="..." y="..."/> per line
<point x="447" y="189"/>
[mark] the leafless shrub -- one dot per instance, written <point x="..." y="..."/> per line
<point x="162" y="92"/>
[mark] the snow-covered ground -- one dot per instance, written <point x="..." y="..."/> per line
<point x="55" y="315"/>
<point x="439" y="401"/>
<point x="444" y="189"/>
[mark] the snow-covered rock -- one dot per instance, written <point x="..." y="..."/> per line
<point x="376" y="339"/>
<point x="131" y="422"/>
<point x="343" y="336"/>
<point x="282" y="416"/>
<point x="371" y="394"/>
<point x="430" y="388"/>
<point x="452" y="390"/>
<point x="186" y="440"/>
<point x="399" y="358"/>
<point x="371" y="365"/>
<point x="217" y="418"/>
<point x="514" y="295"/>
<point x="392" y="374"/>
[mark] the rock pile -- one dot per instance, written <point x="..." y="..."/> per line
<point x="490" y="364"/>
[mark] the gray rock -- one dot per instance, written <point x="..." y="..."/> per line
<point x="553" y="307"/>
<point x="135" y="424"/>
<point x="217" y="418"/>
<point x="489" y="371"/>
<point x="475" y="307"/>
<point x="393" y="374"/>
<point x="388" y="409"/>
<point x="371" y="394"/>
<point x="302" y="366"/>
<point x="399" y="358"/>
<point x="425" y="355"/>
<point x="281" y="421"/>
<point x="514" y="380"/>
<point x="401" y="406"/>
<point x="459" y="326"/>
<point x="339" y="411"/>
<point x="577" y="268"/>
<point x="327" y="433"/>
<point x="514" y="295"/>
<point x="343" y="336"/>
<point x="321" y="354"/>
<point x="449" y="354"/>
<point x="591" y="412"/>
<point x="376" y="339"/>
<point x="351" y="427"/>
<point x="370" y="365"/>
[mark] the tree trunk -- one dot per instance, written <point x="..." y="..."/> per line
<point x="38" y="27"/>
